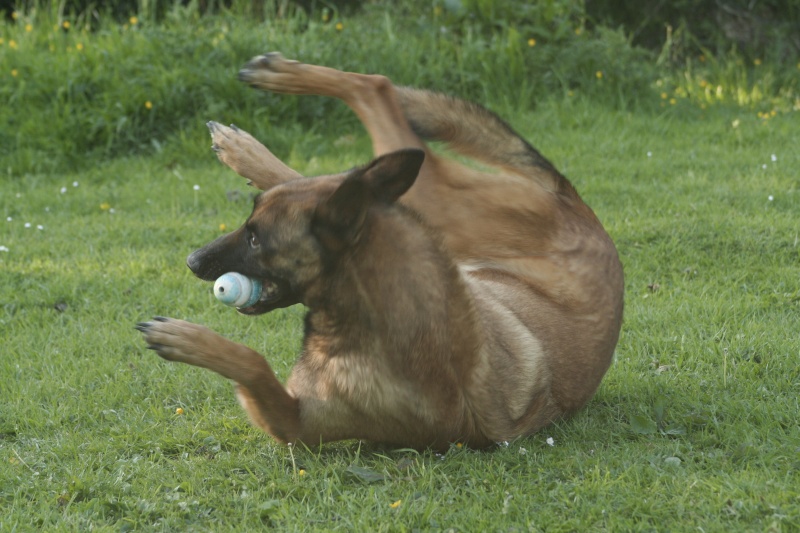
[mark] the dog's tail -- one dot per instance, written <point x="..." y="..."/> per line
<point x="476" y="132"/>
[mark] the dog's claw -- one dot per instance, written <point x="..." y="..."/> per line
<point x="155" y="347"/>
<point x="161" y="319"/>
<point x="142" y="326"/>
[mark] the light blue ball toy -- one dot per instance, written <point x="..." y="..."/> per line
<point x="237" y="290"/>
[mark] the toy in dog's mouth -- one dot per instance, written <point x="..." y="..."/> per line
<point x="270" y="298"/>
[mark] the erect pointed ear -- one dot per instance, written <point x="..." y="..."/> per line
<point x="338" y="219"/>
<point x="391" y="175"/>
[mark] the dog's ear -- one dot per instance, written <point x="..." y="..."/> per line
<point x="391" y="175"/>
<point x="337" y="220"/>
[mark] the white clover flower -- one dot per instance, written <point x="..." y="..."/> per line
<point x="196" y="187"/>
<point x="3" y="249"/>
<point x="770" y="197"/>
<point x="550" y="441"/>
<point x="74" y="183"/>
<point x="774" y="158"/>
<point x="649" y="154"/>
<point x="39" y="227"/>
<point x="63" y="190"/>
<point x="27" y="224"/>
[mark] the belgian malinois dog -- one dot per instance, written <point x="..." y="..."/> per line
<point x="445" y="303"/>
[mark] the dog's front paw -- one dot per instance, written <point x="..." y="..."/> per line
<point x="175" y="340"/>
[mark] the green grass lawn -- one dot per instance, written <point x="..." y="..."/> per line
<point x="694" y="428"/>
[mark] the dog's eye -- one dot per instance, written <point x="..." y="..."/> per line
<point x="253" y="240"/>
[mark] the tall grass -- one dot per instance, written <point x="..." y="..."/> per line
<point x="82" y="87"/>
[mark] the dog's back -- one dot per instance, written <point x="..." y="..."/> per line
<point x="544" y="274"/>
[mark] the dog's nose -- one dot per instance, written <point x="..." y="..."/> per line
<point x="193" y="262"/>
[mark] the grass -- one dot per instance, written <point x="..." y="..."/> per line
<point x="694" y="427"/>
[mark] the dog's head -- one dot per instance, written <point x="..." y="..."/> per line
<point x="299" y="229"/>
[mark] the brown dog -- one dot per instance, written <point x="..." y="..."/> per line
<point x="445" y="304"/>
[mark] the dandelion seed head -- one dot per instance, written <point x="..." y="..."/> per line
<point x="196" y="187"/>
<point x="770" y="197"/>
<point x="63" y="190"/>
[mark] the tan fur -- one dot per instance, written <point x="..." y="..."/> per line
<point x="482" y="309"/>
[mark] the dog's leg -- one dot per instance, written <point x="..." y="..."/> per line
<point x="371" y="97"/>
<point x="248" y="157"/>
<point x="267" y="402"/>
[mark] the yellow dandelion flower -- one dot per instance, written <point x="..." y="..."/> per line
<point x="66" y="24"/>
<point x="28" y="28"/>
<point x="599" y="74"/>
<point x="664" y="96"/>
<point x="531" y="42"/>
<point x="14" y="72"/>
<point x="105" y="206"/>
<point x="79" y="47"/>
<point x="12" y="44"/>
<point x="703" y="84"/>
<point x="578" y="31"/>
<point x="459" y="445"/>
<point x="672" y="101"/>
<point x="301" y="472"/>
<point x="396" y="504"/>
<point x="148" y="105"/>
<point x="773" y="113"/>
<point x="223" y="227"/>
<point x="15" y="15"/>
<point x="179" y="411"/>
<point x="339" y="26"/>
<point x="134" y="21"/>
<point x="437" y="10"/>
<point x="756" y="62"/>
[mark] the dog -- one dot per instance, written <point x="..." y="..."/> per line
<point x="446" y="304"/>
